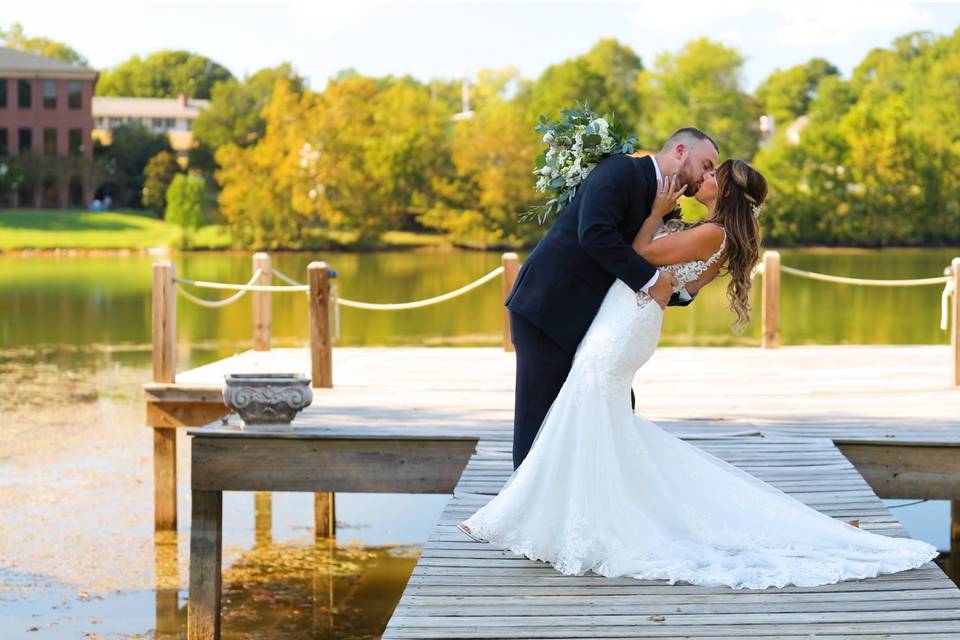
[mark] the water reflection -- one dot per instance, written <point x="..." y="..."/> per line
<point x="105" y="300"/>
<point x="284" y="590"/>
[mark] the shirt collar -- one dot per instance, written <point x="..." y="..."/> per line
<point x="656" y="168"/>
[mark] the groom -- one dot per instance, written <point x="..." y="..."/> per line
<point x="562" y="283"/>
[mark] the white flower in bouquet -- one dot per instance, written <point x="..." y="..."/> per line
<point x="575" y="145"/>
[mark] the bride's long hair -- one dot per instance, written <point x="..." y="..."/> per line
<point x="741" y="190"/>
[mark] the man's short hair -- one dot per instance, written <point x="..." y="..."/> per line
<point x="686" y="136"/>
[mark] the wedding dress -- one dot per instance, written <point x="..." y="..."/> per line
<point x="608" y="491"/>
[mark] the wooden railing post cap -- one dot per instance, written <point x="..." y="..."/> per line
<point x="331" y="273"/>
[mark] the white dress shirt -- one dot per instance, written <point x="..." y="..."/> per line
<point x="652" y="281"/>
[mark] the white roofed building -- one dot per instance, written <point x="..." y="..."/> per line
<point x="172" y="116"/>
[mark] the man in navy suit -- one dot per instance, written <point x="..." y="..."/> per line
<point x="562" y="283"/>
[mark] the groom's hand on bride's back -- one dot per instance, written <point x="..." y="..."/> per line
<point x="662" y="289"/>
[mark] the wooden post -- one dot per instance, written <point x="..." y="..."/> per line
<point x="164" y="370"/>
<point x="324" y="515"/>
<point x="206" y="547"/>
<point x="261" y="303"/>
<point x="955" y="327"/>
<point x="771" y="300"/>
<point x="511" y="265"/>
<point x="164" y="322"/>
<point x="321" y="356"/>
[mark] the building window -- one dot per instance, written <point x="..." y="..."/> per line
<point x="115" y="122"/>
<point x="49" y="142"/>
<point x="75" y="198"/>
<point x="158" y="123"/>
<point x="74" y="94"/>
<point x="3" y="93"/>
<point x="4" y="142"/>
<point x="189" y="125"/>
<point x="25" y="140"/>
<point x="170" y="123"/>
<point x="50" y="194"/>
<point x="76" y="142"/>
<point x="25" y="193"/>
<point x="24" y="94"/>
<point x="49" y="94"/>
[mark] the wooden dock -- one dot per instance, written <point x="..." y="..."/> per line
<point x="813" y="421"/>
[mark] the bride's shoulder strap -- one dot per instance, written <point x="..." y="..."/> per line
<point x="723" y="244"/>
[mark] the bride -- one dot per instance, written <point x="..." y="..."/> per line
<point x="608" y="491"/>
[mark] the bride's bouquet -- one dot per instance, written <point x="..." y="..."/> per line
<point x="575" y="144"/>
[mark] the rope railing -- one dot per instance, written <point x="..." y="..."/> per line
<point x="946" y="280"/>
<point x="867" y="282"/>
<point x="212" y="304"/>
<point x="293" y="285"/>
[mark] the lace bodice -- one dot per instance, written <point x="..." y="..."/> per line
<point x="687" y="272"/>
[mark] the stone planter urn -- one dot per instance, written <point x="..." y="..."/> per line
<point x="266" y="400"/>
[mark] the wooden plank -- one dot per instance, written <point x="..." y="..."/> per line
<point x="359" y="465"/>
<point x="910" y="472"/>
<point x="173" y="415"/>
<point x="206" y="547"/>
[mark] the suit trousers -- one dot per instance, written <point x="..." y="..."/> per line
<point x="542" y="368"/>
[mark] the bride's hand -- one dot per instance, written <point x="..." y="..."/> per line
<point x="668" y="192"/>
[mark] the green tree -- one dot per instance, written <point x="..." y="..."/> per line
<point x="158" y="174"/>
<point x="261" y="196"/>
<point x="876" y="163"/>
<point x="235" y="109"/>
<point x="699" y="86"/>
<point x="125" y="159"/>
<point x="377" y="146"/>
<point x="562" y="85"/>
<point x="15" y="38"/>
<point x="163" y="74"/>
<point x="185" y="197"/>
<point x="786" y="94"/>
<point x="478" y="204"/>
<point x="620" y="68"/>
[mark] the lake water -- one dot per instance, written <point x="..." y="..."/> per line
<point x="83" y="301"/>
<point x="75" y="346"/>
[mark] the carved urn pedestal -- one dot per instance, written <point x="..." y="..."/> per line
<point x="267" y="400"/>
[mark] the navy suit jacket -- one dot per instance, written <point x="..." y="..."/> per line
<point x="562" y="283"/>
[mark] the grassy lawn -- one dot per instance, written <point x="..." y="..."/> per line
<point x="60" y="229"/>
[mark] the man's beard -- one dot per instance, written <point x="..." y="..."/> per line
<point x="688" y="178"/>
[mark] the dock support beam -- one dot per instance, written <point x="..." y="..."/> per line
<point x="321" y="353"/>
<point x="164" y="370"/>
<point x="261" y="303"/>
<point x="324" y="515"/>
<point x="511" y="265"/>
<point x="771" y="300"/>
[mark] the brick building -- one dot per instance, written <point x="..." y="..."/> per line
<point x="46" y="125"/>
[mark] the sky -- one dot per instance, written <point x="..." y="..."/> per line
<point x="453" y="39"/>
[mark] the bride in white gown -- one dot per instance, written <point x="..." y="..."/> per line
<point x="608" y="491"/>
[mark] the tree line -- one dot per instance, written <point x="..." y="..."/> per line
<point x="869" y="160"/>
